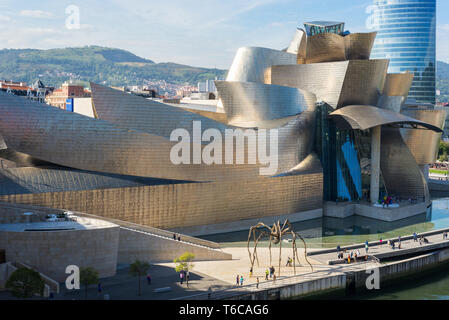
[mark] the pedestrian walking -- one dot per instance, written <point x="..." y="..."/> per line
<point x="174" y="236"/>
<point x="149" y="279"/>
<point x="415" y="237"/>
<point x="187" y="278"/>
<point x="257" y="285"/>
<point x="241" y="280"/>
<point x="179" y="238"/>
<point x="266" y="274"/>
<point x="181" y="276"/>
<point x="237" y="279"/>
<point x="366" y="248"/>
<point x="251" y="272"/>
<point x="99" y="288"/>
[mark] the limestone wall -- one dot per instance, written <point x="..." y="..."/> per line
<point x="190" y="204"/>
<point x="151" y="248"/>
<point x="51" y="252"/>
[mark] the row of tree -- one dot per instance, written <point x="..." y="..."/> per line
<point x="25" y="283"/>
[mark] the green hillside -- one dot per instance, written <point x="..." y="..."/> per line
<point x="443" y="81"/>
<point x="92" y="63"/>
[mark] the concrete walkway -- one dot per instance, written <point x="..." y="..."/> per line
<point x="384" y="251"/>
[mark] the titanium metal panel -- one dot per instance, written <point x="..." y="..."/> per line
<point x="298" y="45"/>
<point x="400" y="172"/>
<point x="22" y="159"/>
<point x="336" y="83"/>
<point x="248" y="103"/>
<point x="358" y="45"/>
<point x="77" y="141"/>
<point x="250" y="63"/>
<point x="133" y="112"/>
<point x="191" y="204"/>
<point x="311" y="164"/>
<point x="217" y="116"/>
<point x="41" y="180"/>
<point x="392" y="103"/>
<point x="367" y="117"/>
<point x="424" y="144"/>
<point x="398" y="84"/>
<point x="325" y="47"/>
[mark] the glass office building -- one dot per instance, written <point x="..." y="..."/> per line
<point x="317" y="27"/>
<point x="406" y="36"/>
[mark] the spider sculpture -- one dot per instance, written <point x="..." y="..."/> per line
<point x="275" y="235"/>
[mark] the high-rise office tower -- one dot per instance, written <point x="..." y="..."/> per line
<point x="406" y="36"/>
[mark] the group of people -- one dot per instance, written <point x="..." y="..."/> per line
<point x="351" y="256"/>
<point x="386" y="201"/>
<point x="239" y="280"/>
<point x="184" y="276"/>
<point x="176" y="237"/>
<point x="270" y="272"/>
<point x="422" y="239"/>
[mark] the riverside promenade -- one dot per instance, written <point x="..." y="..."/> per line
<point x="332" y="274"/>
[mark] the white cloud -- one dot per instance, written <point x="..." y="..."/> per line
<point x="35" y="14"/>
<point x="4" y="18"/>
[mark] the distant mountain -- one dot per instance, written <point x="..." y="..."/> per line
<point x="443" y="81"/>
<point x="442" y="70"/>
<point x="93" y="63"/>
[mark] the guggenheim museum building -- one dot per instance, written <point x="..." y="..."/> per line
<point x="315" y="127"/>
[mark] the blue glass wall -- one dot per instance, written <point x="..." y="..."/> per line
<point x="406" y="36"/>
<point x="339" y="157"/>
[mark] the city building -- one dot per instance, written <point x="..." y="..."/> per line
<point x="36" y="92"/>
<point x="317" y="27"/>
<point x="337" y="126"/>
<point x="406" y="36"/>
<point x="59" y="97"/>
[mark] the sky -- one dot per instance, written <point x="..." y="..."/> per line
<point x="203" y="33"/>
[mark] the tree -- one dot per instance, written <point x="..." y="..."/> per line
<point x="138" y="269"/>
<point x="184" y="263"/>
<point x="88" y="276"/>
<point x="24" y="283"/>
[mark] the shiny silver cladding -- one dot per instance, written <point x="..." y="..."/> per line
<point x="250" y="63"/>
<point x="249" y="103"/>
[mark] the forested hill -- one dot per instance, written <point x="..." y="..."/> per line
<point x="109" y="66"/>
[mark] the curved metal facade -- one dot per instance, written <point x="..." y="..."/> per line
<point x="401" y="174"/>
<point x="249" y="103"/>
<point x="367" y="117"/>
<point x="325" y="47"/>
<point x="250" y="63"/>
<point x="424" y="144"/>
<point x="407" y="36"/>
<point x="336" y="83"/>
<point x="358" y="45"/>
<point x="76" y="141"/>
<point x="43" y="180"/>
<point x="398" y="84"/>
<point x="133" y="112"/>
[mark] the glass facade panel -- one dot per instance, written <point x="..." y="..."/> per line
<point x="339" y="155"/>
<point x="406" y="35"/>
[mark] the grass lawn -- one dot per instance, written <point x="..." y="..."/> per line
<point x="438" y="171"/>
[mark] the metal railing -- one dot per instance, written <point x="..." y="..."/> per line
<point x="264" y="285"/>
